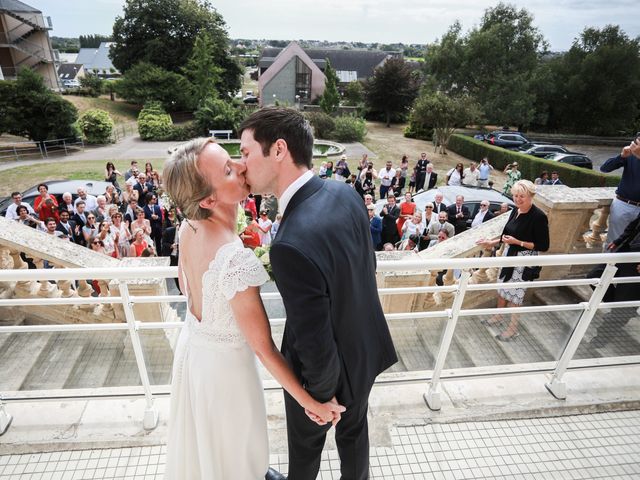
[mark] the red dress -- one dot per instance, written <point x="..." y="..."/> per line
<point x="45" y="211"/>
<point x="406" y="208"/>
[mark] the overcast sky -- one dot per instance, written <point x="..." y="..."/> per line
<point x="384" y="21"/>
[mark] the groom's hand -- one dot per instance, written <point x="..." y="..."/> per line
<point x="332" y="413"/>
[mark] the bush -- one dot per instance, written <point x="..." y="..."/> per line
<point x="91" y="85"/>
<point x="154" y="123"/>
<point x="349" y="129"/>
<point x="413" y="130"/>
<point x="96" y="126"/>
<point x="322" y="124"/>
<point x="216" y="114"/>
<point x="529" y="165"/>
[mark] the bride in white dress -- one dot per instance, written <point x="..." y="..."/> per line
<point x="217" y="424"/>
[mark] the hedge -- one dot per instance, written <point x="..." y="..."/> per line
<point x="529" y="165"/>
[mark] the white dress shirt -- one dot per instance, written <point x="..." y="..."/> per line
<point x="477" y="220"/>
<point x="12" y="214"/>
<point x="291" y="190"/>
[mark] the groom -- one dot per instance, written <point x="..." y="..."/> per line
<point x="336" y="338"/>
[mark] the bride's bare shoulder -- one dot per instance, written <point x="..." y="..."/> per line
<point x="200" y="242"/>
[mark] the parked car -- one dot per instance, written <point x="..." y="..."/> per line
<point x="472" y="198"/>
<point x="572" y="158"/>
<point x="57" y="188"/>
<point x="251" y="99"/>
<point x="506" y="139"/>
<point x="70" y="83"/>
<point x="541" y="150"/>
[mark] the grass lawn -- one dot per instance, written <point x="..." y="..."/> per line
<point x="120" y="111"/>
<point x="21" y="178"/>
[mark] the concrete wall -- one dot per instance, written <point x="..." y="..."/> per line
<point x="282" y="85"/>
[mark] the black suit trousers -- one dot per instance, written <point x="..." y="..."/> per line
<point x="306" y="440"/>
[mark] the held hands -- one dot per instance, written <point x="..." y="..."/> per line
<point x="509" y="240"/>
<point x="324" y="413"/>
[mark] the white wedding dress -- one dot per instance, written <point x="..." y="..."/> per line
<point x="217" y="424"/>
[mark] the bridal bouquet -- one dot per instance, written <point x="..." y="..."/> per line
<point x="263" y="255"/>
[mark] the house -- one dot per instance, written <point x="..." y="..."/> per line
<point x="96" y="61"/>
<point x="288" y="81"/>
<point x="70" y="73"/>
<point x="25" y="42"/>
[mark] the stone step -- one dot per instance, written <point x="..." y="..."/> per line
<point x="19" y="353"/>
<point x="479" y="342"/>
<point x="431" y="331"/>
<point x="55" y="362"/>
<point x="412" y="350"/>
<point x="94" y="364"/>
<point x="620" y="340"/>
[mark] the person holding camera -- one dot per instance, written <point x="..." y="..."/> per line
<point x="513" y="176"/>
<point x="626" y="206"/>
<point x="46" y="206"/>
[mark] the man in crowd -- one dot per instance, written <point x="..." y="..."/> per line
<point x="100" y="211"/>
<point x="386" y="176"/>
<point x="504" y="208"/>
<point x="483" y="214"/>
<point x="431" y="178"/>
<point x="421" y="171"/>
<point x="376" y="227"/>
<point x="142" y="187"/>
<point x="471" y="176"/>
<point x="438" y="204"/>
<point x="153" y="213"/>
<point x="485" y="170"/>
<point x="555" y="179"/>
<point x="459" y="214"/>
<point x="12" y="210"/>
<point x="66" y="227"/>
<point x="368" y="200"/>
<point x="79" y="220"/>
<point x="390" y="214"/>
<point x="90" y="202"/>
<point x="133" y="170"/>
<point x="435" y="228"/>
<point x="626" y="206"/>
<point x="67" y="204"/>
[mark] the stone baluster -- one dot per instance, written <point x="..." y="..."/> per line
<point x="47" y="289"/>
<point x="84" y="290"/>
<point x="429" y="302"/>
<point x="26" y="288"/>
<point x="6" y="263"/>
<point x="104" y="308"/>
<point x="481" y="275"/>
<point x="445" y="298"/>
<point x="598" y="227"/>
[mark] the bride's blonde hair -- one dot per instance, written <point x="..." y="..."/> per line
<point x="183" y="181"/>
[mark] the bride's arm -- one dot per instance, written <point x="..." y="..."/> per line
<point x="252" y="319"/>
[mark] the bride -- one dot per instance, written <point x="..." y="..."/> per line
<point x="217" y="425"/>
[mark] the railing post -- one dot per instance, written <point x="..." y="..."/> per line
<point x="432" y="397"/>
<point x="150" y="420"/>
<point x="64" y="144"/>
<point x="5" y="419"/>
<point x="556" y="386"/>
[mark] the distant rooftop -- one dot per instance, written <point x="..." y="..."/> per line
<point x="95" y="58"/>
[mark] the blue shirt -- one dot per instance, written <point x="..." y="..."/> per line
<point x="485" y="169"/>
<point x="629" y="186"/>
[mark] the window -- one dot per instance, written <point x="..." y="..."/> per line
<point x="303" y="81"/>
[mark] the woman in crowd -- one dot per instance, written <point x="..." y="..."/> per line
<point x="455" y="175"/>
<point x="109" y="241"/>
<point x="415" y="226"/>
<point x="525" y="234"/>
<point x="139" y="243"/>
<point x="542" y="179"/>
<point x="156" y="181"/>
<point x="140" y="222"/>
<point x="264" y="228"/>
<point x="429" y="217"/>
<point x="368" y="187"/>
<point x="111" y="175"/>
<point x="329" y="171"/>
<point x="97" y="246"/>
<point x="407" y="209"/>
<point x="111" y="195"/>
<point x="46" y="205"/>
<point x="362" y="164"/>
<point x="128" y="194"/>
<point x="513" y="175"/>
<point x="90" y="230"/>
<point x="24" y="217"/>
<point x="404" y="170"/>
<point x="148" y="171"/>
<point x="119" y="228"/>
<point x="412" y="180"/>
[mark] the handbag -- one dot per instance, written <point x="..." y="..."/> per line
<point x="531" y="273"/>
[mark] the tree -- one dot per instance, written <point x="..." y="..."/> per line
<point x="35" y="111"/>
<point x="217" y="114"/>
<point x="163" y="33"/>
<point x="201" y="69"/>
<point x="145" y="82"/>
<point x="93" y="41"/>
<point x="597" y="84"/>
<point x="392" y="89"/>
<point x="96" y="126"/>
<point x="444" y="113"/>
<point x="92" y="84"/>
<point x="330" y="99"/>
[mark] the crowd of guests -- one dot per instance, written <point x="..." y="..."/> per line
<point x="127" y="220"/>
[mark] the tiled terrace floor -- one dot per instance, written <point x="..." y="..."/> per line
<point x="593" y="446"/>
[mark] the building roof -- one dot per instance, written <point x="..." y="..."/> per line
<point x="17" y="6"/>
<point x="96" y="58"/>
<point x="363" y="62"/>
<point x="68" y="71"/>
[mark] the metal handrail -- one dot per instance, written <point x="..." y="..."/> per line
<point x="125" y="275"/>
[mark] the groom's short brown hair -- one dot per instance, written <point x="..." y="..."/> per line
<point x="272" y="123"/>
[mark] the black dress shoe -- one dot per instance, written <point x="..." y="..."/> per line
<point x="274" y="475"/>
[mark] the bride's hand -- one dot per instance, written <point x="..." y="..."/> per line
<point x="324" y="413"/>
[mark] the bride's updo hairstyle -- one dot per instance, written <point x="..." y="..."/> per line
<point x="183" y="181"/>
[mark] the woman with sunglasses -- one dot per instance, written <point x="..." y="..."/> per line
<point x="90" y="229"/>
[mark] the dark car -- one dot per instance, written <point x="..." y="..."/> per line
<point x="572" y="158"/>
<point x="506" y="139"/>
<point x="472" y="198"/>
<point x="541" y="150"/>
<point x="57" y="188"/>
<point x="250" y="99"/>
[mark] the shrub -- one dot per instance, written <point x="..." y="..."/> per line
<point x="96" y="126"/>
<point x="217" y="114"/>
<point x="529" y="165"/>
<point x="154" y="123"/>
<point x="413" y="130"/>
<point x="91" y="85"/>
<point x="322" y="124"/>
<point x="349" y="129"/>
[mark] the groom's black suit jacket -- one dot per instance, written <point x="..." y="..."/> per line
<point x="336" y="338"/>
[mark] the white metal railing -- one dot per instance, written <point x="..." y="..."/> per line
<point x="432" y="396"/>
